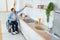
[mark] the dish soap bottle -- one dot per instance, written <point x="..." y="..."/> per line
<point x="39" y="21"/>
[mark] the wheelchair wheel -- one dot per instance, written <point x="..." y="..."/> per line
<point x="8" y="27"/>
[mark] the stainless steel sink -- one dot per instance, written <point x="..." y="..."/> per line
<point x="29" y="20"/>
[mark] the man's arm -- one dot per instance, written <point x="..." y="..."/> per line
<point x="9" y="17"/>
<point x="20" y="10"/>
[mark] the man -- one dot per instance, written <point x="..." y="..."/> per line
<point x="13" y="20"/>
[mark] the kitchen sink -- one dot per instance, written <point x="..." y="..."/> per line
<point x="29" y="20"/>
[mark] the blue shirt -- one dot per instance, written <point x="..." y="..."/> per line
<point x="10" y="17"/>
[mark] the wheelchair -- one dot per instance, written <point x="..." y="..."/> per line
<point x="9" y="27"/>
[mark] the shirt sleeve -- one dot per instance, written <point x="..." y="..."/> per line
<point x="20" y="10"/>
<point x="9" y="17"/>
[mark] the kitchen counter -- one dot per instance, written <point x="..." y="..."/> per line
<point x="41" y="33"/>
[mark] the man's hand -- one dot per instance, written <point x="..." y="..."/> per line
<point x="27" y="6"/>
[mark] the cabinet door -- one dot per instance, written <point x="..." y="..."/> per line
<point x="56" y="26"/>
<point x="29" y="33"/>
<point x="24" y="30"/>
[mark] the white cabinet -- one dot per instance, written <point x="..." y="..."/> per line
<point x="29" y="33"/>
<point x="56" y="27"/>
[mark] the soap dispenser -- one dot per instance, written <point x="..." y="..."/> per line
<point x="39" y="21"/>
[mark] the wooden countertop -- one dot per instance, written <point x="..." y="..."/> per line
<point x="41" y="33"/>
<point x="0" y="31"/>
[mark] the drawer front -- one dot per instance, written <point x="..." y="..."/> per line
<point x="27" y="31"/>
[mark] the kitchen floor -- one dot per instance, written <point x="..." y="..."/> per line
<point x="5" y="34"/>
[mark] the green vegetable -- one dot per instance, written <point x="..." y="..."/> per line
<point x="49" y="9"/>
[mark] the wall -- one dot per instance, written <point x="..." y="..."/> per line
<point x="2" y="5"/>
<point x="18" y="4"/>
<point x="21" y="4"/>
<point x="10" y="5"/>
<point x="45" y="2"/>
